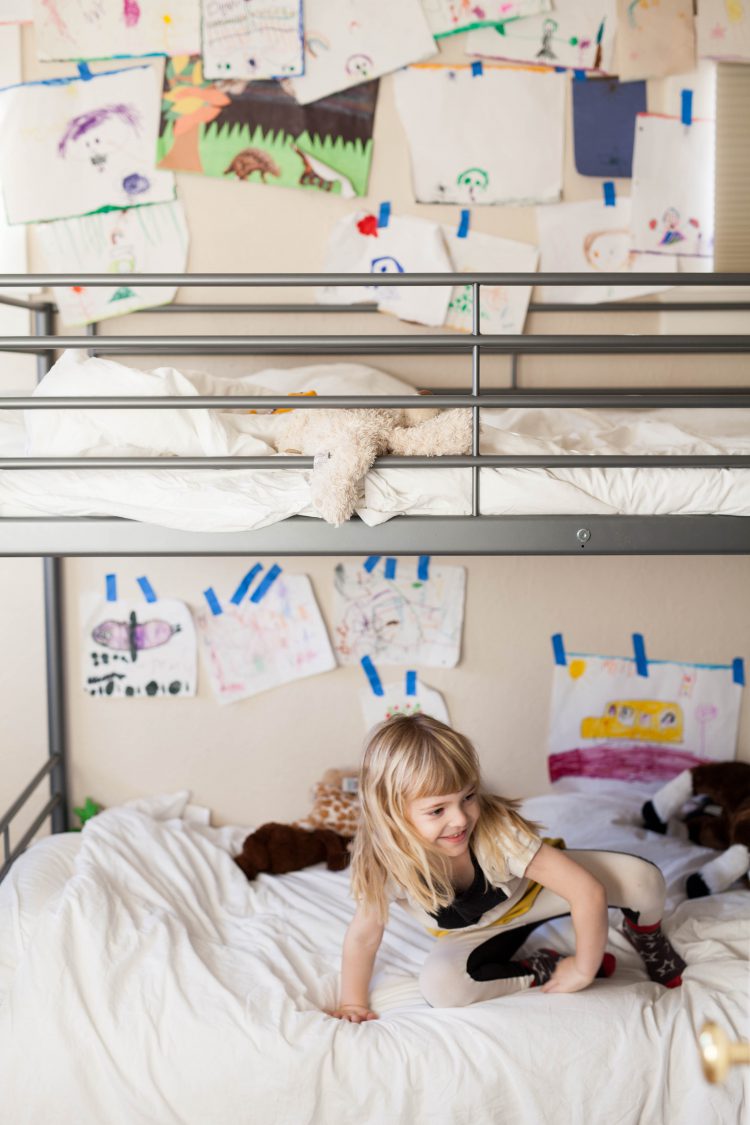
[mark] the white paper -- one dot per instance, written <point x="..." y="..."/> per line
<point x="252" y="38"/>
<point x="399" y="620"/>
<point x="654" y="39"/>
<point x="405" y="245"/>
<point x="395" y="701"/>
<point x="491" y="138"/>
<point x="139" y="240"/>
<point x="85" y="144"/>
<point x="673" y="186"/>
<point x="502" y="308"/>
<point x="131" y="647"/>
<point x="16" y="11"/>
<point x="446" y="17"/>
<point x="589" y="237"/>
<point x="351" y="41"/>
<point x="100" y="29"/>
<point x="701" y="82"/>
<point x="606" y="721"/>
<point x="254" y="647"/>
<point x="579" y="34"/>
<point x="723" y="29"/>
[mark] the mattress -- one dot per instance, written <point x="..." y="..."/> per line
<point x="227" y="500"/>
<point x="143" y="979"/>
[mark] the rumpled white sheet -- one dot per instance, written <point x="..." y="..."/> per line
<point x="144" y="980"/>
<point x="226" y="501"/>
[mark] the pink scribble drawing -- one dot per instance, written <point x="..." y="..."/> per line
<point x="705" y="714"/>
<point x="131" y="636"/>
<point x="60" y="25"/>
<point x="622" y="763"/>
<point x="131" y="12"/>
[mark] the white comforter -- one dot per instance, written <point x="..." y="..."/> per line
<point x="144" y="980"/>
<point x="225" y="501"/>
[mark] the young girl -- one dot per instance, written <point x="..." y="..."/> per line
<point x="480" y="879"/>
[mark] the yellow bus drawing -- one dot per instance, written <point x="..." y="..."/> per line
<point x="642" y="720"/>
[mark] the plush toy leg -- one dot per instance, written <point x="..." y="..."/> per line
<point x="720" y="873"/>
<point x="337" y="477"/>
<point x="667" y="801"/>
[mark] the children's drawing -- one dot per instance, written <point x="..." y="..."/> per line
<point x="502" y="309"/>
<point x="252" y="38"/>
<point x="257" y="133"/>
<point x="396" y="700"/>
<point x="101" y="29"/>
<point x="723" y="30"/>
<point x="400" y="620"/>
<point x="136" y="648"/>
<point x="579" y="34"/>
<point x="609" y="721"/>
<point x="352" y="41"/>
<point x="654" y="39"/>
<point x="673" y="187"/>
<point x="490" y="138"/>
<point x="604" y="114"/>
<point x="590" y="237"/>
<point x="448" y="17"/>
<point x="85" y="145"/>
<point x="255" y="646"/>
<point x="406" y="245"/>
<point x="139" y="240"/>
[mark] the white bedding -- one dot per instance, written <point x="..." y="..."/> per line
<point x="144" y="980"/>
<point x="225" y="501"/>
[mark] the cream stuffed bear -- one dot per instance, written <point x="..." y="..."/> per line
<point x="345" y="443"/>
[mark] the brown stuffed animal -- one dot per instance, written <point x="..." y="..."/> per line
<point x="335" y="803"/>
<point x="726" y="785"/>
<point x="280" y="848"/>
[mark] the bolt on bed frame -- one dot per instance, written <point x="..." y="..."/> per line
<point x="472" y="534"/>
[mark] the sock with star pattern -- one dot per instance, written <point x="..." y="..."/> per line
<point x="663" y="964"/>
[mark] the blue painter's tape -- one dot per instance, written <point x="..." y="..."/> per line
<point x="738" y="671"/>
<point x="477" y="70"/>
<point x="579" y="75"/>
<point x="384" y="214"/>
<point x="84" y="72"/>
<point x="266" y="584"/>
<point x="390" y="568"/>
<point x="686" y="115"/>
<point x="423" y="568"/>
<point x="147" y="588"/>
<point x="213" y="601"/>
<point x="111" y="587"/>
<point x="244" y="585"/>
<point x="608" y="188"/>
<point x="371" y="562"/>
<point x="463" y="224"/>
<point x="411" y="683"/>
<point x="561" y="70"/>
<point x="372" y="674"/>
<point x="558" y="649"/>
<point x="639" y="652"/>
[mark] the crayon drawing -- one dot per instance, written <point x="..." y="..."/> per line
<point x="396" y="701"/>
<point x="399" y="620"/>
<point x="448" y="17"/>
<point x="253" y="647"/>
<point x="102" y="29"/>
<point x="252" y="38"/>
<point x="135" y="648"/>
<point x="654" y="39"/>
<point x="256" y="132"/>
<point x="723" y="30"/>
<point x="502" y="309"/>
<point x="579" y="34"/>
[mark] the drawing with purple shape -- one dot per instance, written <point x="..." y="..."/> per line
<point x="130" y="636"/>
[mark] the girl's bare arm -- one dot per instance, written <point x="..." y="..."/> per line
<point x="588" y="909"/>
<point x="361" y="945"/>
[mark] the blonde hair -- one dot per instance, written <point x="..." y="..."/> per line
<point x="408" y="757"/>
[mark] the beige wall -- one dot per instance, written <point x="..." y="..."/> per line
<point x="257" y="759"/>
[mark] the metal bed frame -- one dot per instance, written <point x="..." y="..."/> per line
<point x="475" y="534"/>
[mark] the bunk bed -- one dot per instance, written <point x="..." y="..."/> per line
<point x="277" y="1011"/>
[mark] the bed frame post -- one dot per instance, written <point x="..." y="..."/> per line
<point x="475" y="362"/>
<point x="44" y="325"/>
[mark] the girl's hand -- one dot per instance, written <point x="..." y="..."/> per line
<point x="567" y="977"/>
<point x="354" y="1013"/>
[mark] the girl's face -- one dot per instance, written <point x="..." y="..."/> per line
<point x="447" y="821"/>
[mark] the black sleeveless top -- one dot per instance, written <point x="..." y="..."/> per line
<point x="468" y="906"/>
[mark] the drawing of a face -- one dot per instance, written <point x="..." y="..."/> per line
<point x="608" y="250"/>
<point x="386" y="265"/>
<point x="359" y="66"/>
<point x="475" y="180"/>
<point x="97" y="135"/>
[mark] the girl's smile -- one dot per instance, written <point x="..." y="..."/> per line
<point x="447" y="821"/>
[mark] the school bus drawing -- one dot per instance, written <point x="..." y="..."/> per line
<point x="641" y="720"/>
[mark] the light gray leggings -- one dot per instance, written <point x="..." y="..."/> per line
<point x="445" y="981"/>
